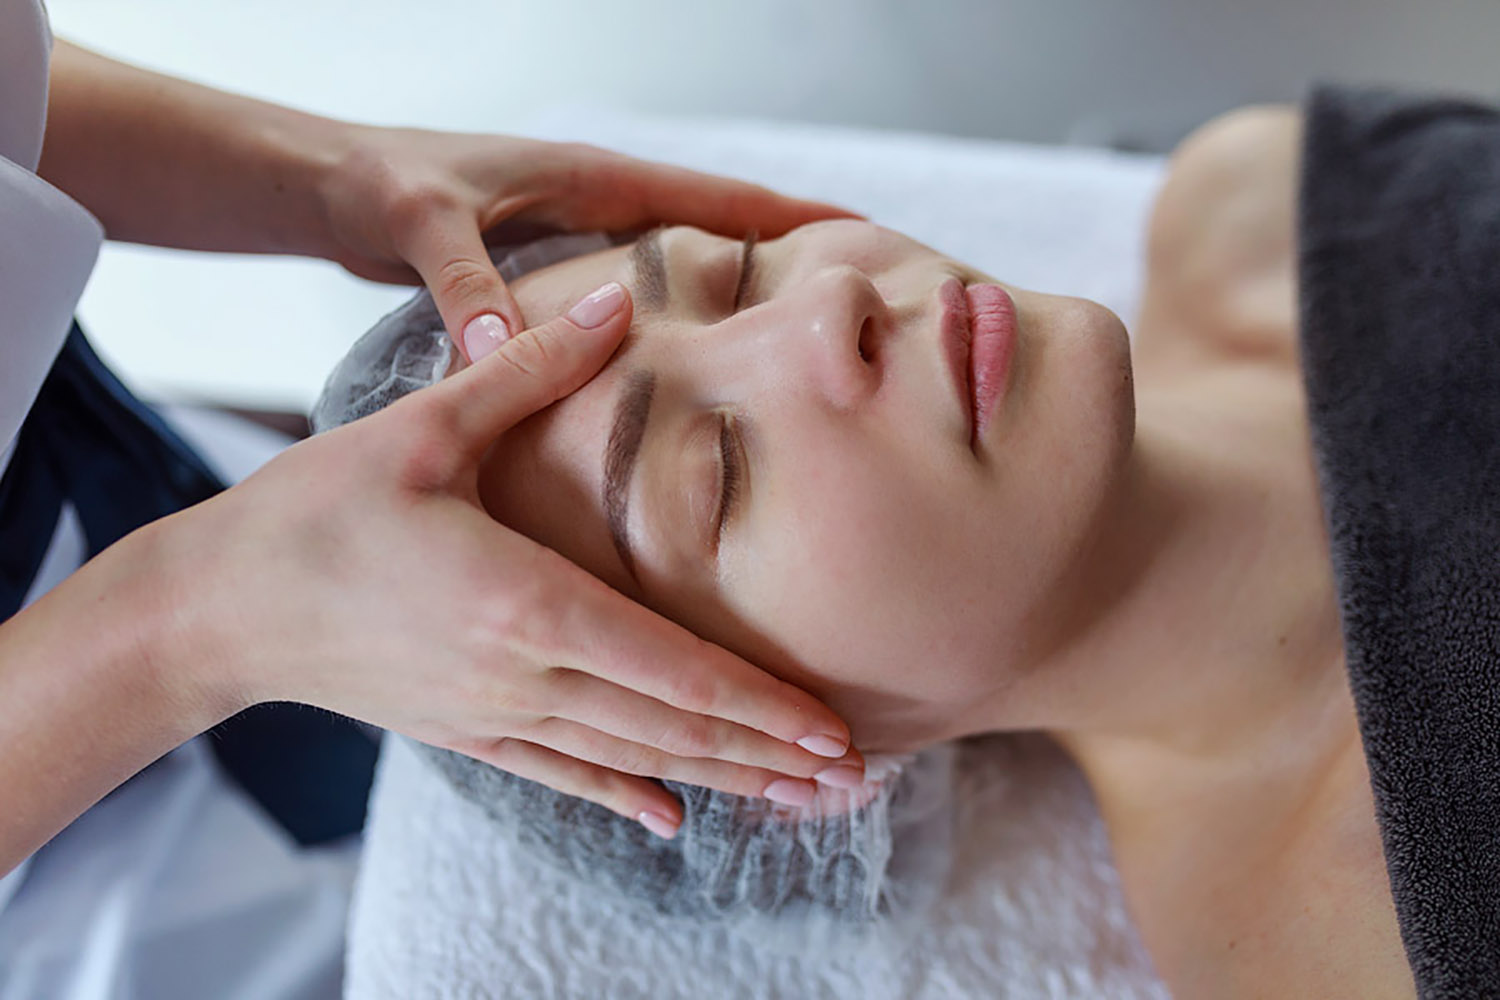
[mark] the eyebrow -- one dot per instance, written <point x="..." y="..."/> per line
<point x="650" y="268"/>
<point x="747" y="268"/>
<point x="620" y="452"/>
<point x="633" y="408"/>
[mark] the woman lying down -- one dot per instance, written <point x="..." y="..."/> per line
<point x="949" y="506"/>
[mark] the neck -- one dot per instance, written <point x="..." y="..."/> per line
<point x="1202" y="645"/>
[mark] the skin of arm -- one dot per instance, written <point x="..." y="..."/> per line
<point x="170" y="163"/>
<point x="87" y="696"/>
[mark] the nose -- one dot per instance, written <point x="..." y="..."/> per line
<point x="828" y="331"/>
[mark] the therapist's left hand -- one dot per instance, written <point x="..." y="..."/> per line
<point x="407" y="204"/>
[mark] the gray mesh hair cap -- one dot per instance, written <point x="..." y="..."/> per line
<point x="854" y="866"/>
<point x="409" y="348"/>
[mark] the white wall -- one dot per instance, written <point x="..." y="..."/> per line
<point x="1043" y="70"/>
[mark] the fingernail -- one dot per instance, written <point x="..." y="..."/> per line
<point x="658" y="824"/>
<point x="483" y="334"/>
<point x="840" y="776"/>
<point x="790" y="792"/>
<point x="824" y="746"/>
<point x="598" y="306"/>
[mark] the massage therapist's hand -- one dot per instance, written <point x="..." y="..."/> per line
<point x="192" y="167"/>
<point x="357" y="571"/>
<point x="406" y="203"/>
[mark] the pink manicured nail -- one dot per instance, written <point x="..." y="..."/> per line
<point x="840" y="776"/>
<point x="790" y="792"/>
<point x="483" y="334"/>
<point x="598" y="306"/>
<point x="823" y="746"/>
<point x="658" y="824"/>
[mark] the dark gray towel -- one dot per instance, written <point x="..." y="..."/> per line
<point x="1400" y="337"/>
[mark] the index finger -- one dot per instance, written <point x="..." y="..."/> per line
<point x="449" y="255"/>
<point x="637" y="192"/>
<point x="629" y="645"/>
<point x="531" y="371"/>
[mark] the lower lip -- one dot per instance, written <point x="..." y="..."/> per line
<point x="992" y="323"/>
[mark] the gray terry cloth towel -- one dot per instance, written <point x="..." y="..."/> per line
<point x="1399" y="272"/>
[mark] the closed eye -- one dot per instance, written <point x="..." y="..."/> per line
<point x="732" y="474"/>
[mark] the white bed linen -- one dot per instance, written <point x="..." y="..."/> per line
<point x="443" y="908"/>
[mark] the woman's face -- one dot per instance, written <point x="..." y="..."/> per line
<point x="803" y="488"/>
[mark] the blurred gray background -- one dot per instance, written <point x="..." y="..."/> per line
<point x="1135" y="74"/>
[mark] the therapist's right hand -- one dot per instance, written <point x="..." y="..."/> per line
<point x="357" y="571"/>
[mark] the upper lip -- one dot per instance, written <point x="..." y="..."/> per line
<point x="956" y="334"/>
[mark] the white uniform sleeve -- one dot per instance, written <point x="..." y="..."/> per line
<point x="48" y="242"/>
<point x="25" y="51"/>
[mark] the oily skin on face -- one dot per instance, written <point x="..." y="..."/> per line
<point x="869" y="554"/>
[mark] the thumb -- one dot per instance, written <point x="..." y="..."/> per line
<point x="534" y="370"/>
<point x="478" y="310"/>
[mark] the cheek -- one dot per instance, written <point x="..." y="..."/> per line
<point x="869" y="573"/>
<point x="541" y="479"/>
<point x="1074" y="428"/>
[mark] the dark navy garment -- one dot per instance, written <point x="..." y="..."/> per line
<point x="87" y="441"/>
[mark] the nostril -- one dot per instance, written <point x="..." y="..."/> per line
<point x="866" y="344"/>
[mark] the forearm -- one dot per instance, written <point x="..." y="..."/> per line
<point x="171" y="163"/>
<point x="88" y="695"/>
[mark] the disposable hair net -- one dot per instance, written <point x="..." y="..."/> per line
<point x="856" y="865"/>
<point x="409" y="348"/>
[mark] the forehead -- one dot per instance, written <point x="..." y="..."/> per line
<point x="552" y="290"/>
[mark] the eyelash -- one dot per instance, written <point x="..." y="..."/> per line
<point x="729" y="461"/>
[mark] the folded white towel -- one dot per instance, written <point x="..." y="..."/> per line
<point x="443" y="908"/>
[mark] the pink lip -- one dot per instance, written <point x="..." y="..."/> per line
<point x="992" y="324"/>
<point x="978" y="331"/>
<point x="955" y="334"/>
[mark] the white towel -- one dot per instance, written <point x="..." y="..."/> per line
<point x="1033" y="909"/>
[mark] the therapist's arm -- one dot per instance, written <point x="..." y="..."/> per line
<point x="87" y="697"/>
<point x="358" y="572"/>
<point x="171" y="163"/>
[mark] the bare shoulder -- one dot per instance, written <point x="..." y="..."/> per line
<point x="1221" y="257"/>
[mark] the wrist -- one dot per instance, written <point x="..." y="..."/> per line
<point x="306" y="155"/>
<point x="174" y="642"/>
<point x="93" y="687"/>
<point x="355" y="185"/>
